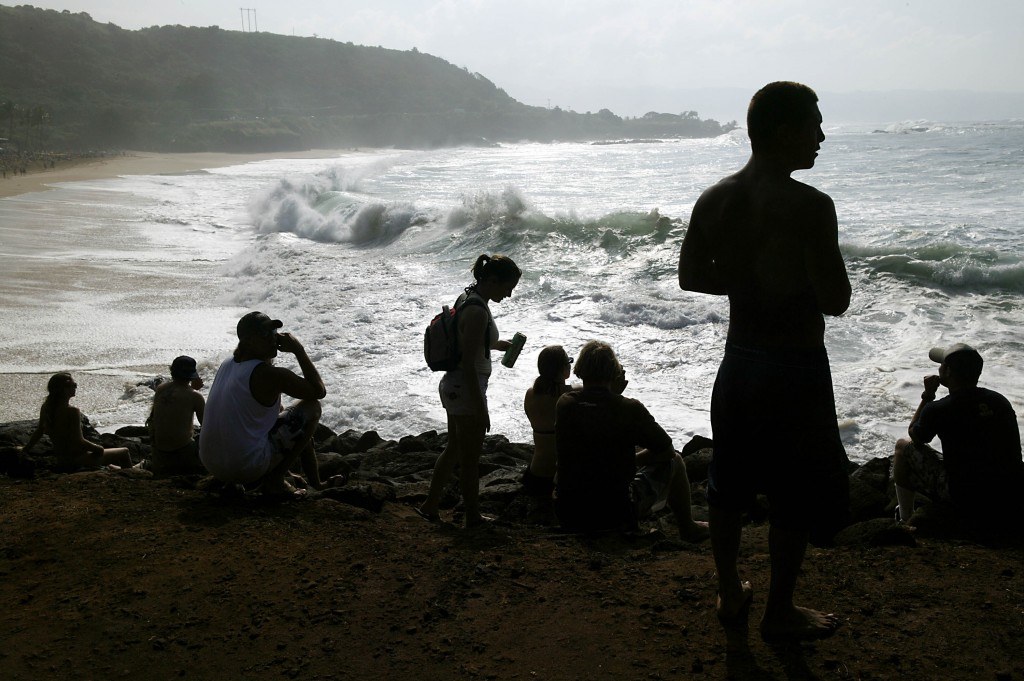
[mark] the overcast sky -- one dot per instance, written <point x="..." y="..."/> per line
<point x="634" y="56"/>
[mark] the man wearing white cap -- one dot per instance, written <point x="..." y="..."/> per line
<point x="979" y="469"/>
<point x="247" y="437"/>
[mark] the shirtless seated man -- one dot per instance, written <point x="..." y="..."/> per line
<point x="62" y="423"/>
<point x="176" y="406"/>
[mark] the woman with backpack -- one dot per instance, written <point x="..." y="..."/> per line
<point x="463" y="390"/>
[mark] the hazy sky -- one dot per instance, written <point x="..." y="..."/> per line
<point x="633" y="56"/>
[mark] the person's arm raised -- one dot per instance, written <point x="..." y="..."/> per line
<point x="269" y="381"/>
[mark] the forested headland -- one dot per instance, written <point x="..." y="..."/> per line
<point x="68" y="82"/>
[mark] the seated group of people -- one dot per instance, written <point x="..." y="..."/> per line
<point x="247" y="438"/>
<point x="606" y="463"/>
<point x="599" y="456"/>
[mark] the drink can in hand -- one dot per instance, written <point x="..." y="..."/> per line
<point x="512" y="354"/>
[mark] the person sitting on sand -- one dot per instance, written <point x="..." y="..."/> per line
<point x="247" y="437"/>
<point x="615" y="464"/>
<point x="63" y="424"/>
<point x="176" y="404"/>
<point x="979" y="470"/>
<point x="463" y="390"/>
<point x="553" y="367"/>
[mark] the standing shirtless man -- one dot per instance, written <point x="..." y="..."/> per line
<point x="771" y="244"/>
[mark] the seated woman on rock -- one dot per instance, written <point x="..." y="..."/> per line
<point x="553" y="366"/>
<point x="63" y="424"/>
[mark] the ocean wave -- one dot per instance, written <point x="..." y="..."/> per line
<point x="665" y="316"/>
<point x="330" y="207"/>
<point x="943" y="264"/>
<point x="321" y="211"/>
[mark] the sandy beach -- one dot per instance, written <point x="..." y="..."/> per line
<point x="142" y="163"/>
<point x="36" y="280"/>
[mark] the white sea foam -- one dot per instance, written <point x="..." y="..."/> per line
<point x="356" y="254"/>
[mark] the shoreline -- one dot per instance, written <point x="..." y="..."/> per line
<point x="23" y="389"/>
<point x="145" y="163"/>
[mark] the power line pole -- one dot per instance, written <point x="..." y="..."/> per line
<point x="249" y="17"/>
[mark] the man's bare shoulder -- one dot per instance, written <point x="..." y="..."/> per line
<point x="723" y="189"/>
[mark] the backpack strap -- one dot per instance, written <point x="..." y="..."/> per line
<point x="468" y="298"/>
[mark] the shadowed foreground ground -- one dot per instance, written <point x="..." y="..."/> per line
<point x="107" y="576"/>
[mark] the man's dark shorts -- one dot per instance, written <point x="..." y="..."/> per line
<point x="775" y="432"/>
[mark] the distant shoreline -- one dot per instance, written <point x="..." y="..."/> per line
<point x="143" y="163"/>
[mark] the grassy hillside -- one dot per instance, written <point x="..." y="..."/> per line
<point x="67" y="81"/>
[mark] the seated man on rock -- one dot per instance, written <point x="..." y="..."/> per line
<point x="247" y="437"/>
<point x="615" y="464"/>
<point x="176" y="405"/>
<point x="979" y="470"/>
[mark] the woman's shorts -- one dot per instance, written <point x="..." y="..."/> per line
<point x="455" y="397"/>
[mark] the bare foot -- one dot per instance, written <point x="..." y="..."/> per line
<point x="735" y="613"/>
<point x="281" y="489"/>
<point x="695" y="532"/>
<point x="798" y="624"/>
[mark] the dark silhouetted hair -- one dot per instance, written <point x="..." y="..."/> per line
<point x="597" y="362"/>
<point x="500" y="267"/>
<point x="776" y="104"/>
<point x="54" y="387"/>
<point x="551" y="362"/>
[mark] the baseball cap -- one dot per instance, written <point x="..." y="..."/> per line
<point x="255" y="323"/>
<point x="960" y="357"/>
<point x="184" y="367"/>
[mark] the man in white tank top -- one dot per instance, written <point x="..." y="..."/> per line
<point x="247" y="436"/>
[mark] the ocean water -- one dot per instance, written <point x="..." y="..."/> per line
<point x="114" y="278"/>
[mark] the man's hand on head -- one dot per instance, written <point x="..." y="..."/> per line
<point x="931" y="384"/>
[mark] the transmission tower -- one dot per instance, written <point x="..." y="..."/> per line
<point x="249" y="24"/>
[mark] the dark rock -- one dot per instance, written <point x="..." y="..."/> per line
<point x="411" y="443"/>
<point x="15" y="464"/>
<point x="875" y="532"/>
<point x="331" y="464"/>
<point x="874" y="473"/>
<point x="369" y="495"/>
<point x="697" y="443"/>
<point x="132" y="431"/>
<point x="434" y="442"/>
<point x="368" y="440"/>
<point x="500" y="492"/>
<point x="391" y="463"/>
<point x="344" y="443"/>
<point x="322" y="434"/>
<point x="697" y="464"/>
<point x="866" y="501"/>
<point x="16" y="433"/>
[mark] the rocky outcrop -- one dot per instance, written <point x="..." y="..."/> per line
<point x="377" y="471"/>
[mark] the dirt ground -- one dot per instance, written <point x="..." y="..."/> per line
<point x="104" y="576"/>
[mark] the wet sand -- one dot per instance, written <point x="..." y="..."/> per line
<point x="142" y="163"/>
<point x="21" y="392"/>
